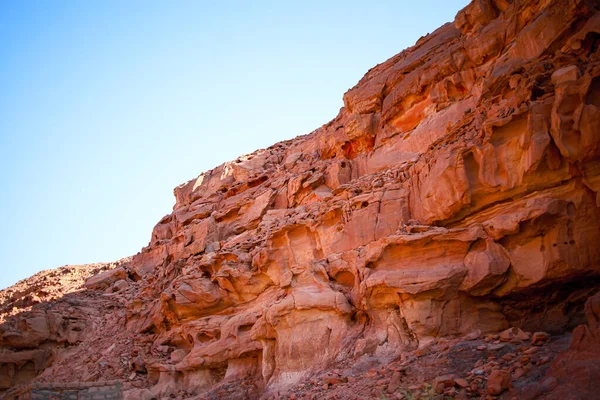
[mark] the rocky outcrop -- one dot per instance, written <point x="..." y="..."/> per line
<point x="42" y="314"/>
<point x="576" y="370"/>
<point x="457" y="191"/>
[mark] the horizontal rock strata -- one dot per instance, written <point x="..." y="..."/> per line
<point x="457" y="190"/>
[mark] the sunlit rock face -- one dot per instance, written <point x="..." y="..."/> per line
<point x="458" y="186"/>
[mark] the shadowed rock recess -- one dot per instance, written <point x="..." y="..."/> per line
<point x="439" y="237"/>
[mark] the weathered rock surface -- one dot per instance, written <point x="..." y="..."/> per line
<point x="43" y="313"/>
<point x="576" y="370"/>
<point x="456" y="195"/>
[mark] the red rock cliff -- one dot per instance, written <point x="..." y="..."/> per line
<point x="457" y="191"/>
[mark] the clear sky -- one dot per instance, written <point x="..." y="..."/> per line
<point x="106" y="106"/>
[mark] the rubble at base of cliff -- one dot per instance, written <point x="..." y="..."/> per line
<point x="437" y="239"/>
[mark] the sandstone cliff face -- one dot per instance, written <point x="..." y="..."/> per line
<point x="457" y="190"/>
<point x="43" y="313"/>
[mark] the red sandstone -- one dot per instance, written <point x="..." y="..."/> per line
<point x="438" y="237"/>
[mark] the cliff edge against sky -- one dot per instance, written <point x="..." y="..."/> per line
<point x="440" y="236"/>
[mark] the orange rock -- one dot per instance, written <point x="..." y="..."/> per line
<point x="444" y="381"/>
<point x="514" y="333"/>
<point x="456" y="193"/>
<point x="105" y="279"/>
<point x="540" y="338"/>
<point x="497" y="382"/>
<point x="462" y="383"/>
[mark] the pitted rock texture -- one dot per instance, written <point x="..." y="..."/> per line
<point x="456" y="193"/>
<point x="42" y="314"/>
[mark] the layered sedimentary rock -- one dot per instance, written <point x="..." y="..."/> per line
<point x="457" y="190"/>
<point x="43" y="313"/>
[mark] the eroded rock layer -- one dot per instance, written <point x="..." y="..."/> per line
<point x="457" y="191"/>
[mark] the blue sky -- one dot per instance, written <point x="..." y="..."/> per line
<point x="106" y="106"/>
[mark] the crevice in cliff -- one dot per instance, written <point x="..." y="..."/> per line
<point x="556" y="307"/>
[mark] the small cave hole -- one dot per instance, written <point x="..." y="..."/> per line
<point x="344" y="278"/>
<point x="537" y="92"/>
<point x="134" y="276"/>
<point x="591" y="42"/>
<point x="258" y="181"/>
<point x="203" y="338"/>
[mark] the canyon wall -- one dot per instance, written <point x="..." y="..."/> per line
<point x="457" y="190"/>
